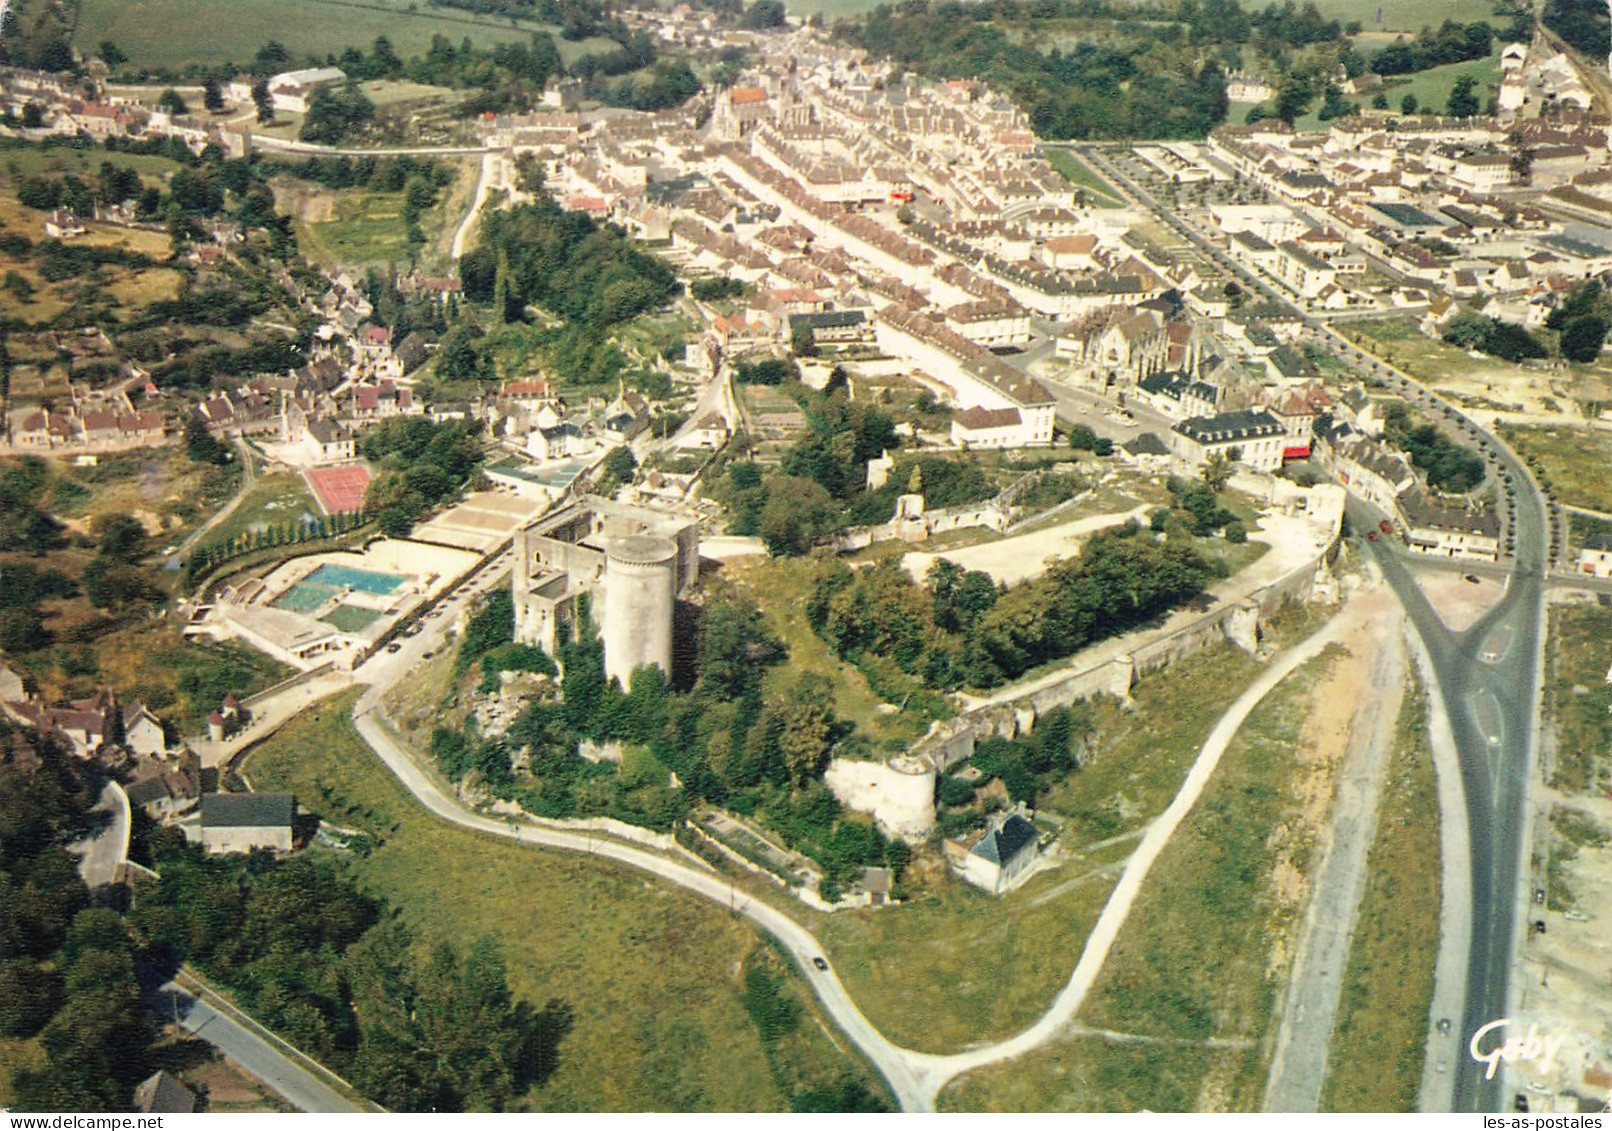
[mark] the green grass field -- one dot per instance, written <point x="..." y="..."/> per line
<point x="653" y="974"/>
<point x="1432" y="89"/>
<point x="1100" y="193"/>
<point x="172" y="33"/>
<point x="1577" y="697"/>
<point x="1576" y="463"/>
<point x="1380" y="1034"/>
<point x="1201" y="955"/>
<point x="361" y="227"/>
<point x="273" y="500"/>
<point x="955" y="966"/>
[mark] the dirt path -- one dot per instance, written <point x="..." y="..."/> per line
<point x="489" y="173"/>
<point x="1349" y="737"/>
<point x="933" y="1071"/>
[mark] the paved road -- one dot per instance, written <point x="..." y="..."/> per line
<point x="915" y="1077"/>
<point x="1492" y="707"/>
<point x="248" y="478"/>
<point x="278" y="1072"/>
<point x="100" y="856"/>
<point x="892" y="1063"/>
<point x="1304" y="1036"/>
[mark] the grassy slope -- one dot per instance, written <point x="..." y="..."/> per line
<point x="1197" y="957"/>
<point x="1100" y="193"/>
<point x="1379" y="1037"/>
<point x="953" y="966"/>
<point x="651" y="972"/>
<point x="366" y="227"/>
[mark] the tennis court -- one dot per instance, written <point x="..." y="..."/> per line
<point x="304" y="598"/>
<point x="349" y="618"/>
<point x="339" y="488"/>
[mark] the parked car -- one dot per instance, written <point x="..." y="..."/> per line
<point x="1372" y="534"/>
<point x="1385" y="526"/>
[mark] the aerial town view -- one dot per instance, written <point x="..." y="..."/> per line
<point x="806" y="556"/>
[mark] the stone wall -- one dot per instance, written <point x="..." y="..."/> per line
<point x="892" y="794"/>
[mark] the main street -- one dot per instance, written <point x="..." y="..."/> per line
<point x="1489" y="674"/>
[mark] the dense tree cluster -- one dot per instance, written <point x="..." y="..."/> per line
<point x="1450" y="43"/>
<point x="960" y="633"/>
<point x="335" y="112"/>
<point x="1157" y="75"/>
<point x="67" y="970"/>
<point x="1582" y="322"/>
<point x="1447" y="465"/>
<point x="326" y="967"/>
<point x="420" y="463"/>
<point x="1582" y="24"/>
<point x="1495" y="336"/>
<point x="564" y="262"/>
<point x="722" y="735"/>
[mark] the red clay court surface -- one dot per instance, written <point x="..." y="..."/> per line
<point x="339" y="488"/>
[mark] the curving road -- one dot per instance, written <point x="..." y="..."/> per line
<point x="915" y="1077"/>
<point x="1491" y="702"/>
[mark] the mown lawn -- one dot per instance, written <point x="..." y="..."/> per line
<point x="1100" y="193"/>
<point x="1379" y="1038"/>
<point x="654" y="975"/>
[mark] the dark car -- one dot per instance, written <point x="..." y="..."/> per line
<point x="1385" y="526"/>
<point x="820" y="962"/>
<point x="1472" y="578"/>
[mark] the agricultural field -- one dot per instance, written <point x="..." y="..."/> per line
<point x="169" y="34"/>
<point x="664" y="1004"/>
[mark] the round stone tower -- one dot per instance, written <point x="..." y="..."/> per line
<point x="640" y="585"/>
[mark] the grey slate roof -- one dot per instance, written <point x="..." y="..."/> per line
<point x="1001" y="845"/>
<point x="246" y="810"/>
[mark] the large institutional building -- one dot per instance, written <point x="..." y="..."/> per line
<point x="632" y="562"/>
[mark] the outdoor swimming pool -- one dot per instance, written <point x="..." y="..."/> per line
<point x="346" y="577"/>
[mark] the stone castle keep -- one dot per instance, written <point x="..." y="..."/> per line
<point x="632" y="562"/>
